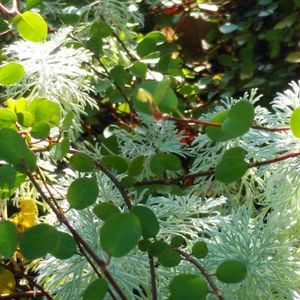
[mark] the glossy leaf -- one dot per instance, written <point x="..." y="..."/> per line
<point x="82" y="192"/>
<point x="11" y="73"/>
<point x="120" y="234"/>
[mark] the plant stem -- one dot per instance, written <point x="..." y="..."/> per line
<point x="153" y="278"/>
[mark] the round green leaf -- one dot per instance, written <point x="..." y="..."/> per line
<point x="144" y="245"/>
<point x="156" y="164"/>
<point x="232" y="166"/>
<point x="199" y="249"/>
<point x="31" y="26"/>
<point x="231" y="271"/>
<point x="177" y="241"/>
<point x="295" y="122"/>
<point x="7" y="118"/>
<point x="65" y="246"/>
<point x="114" y="162"/>
<point x="157" y="247"/>
<point x="105" y="210"/>
<point x="37" y="241"/>
<point x="14" y="150"/>
<point x="25" y="118"/>
<point x="96" y="290"/>
<point x="82" y="192"/>
<point x="136" y="166"/>
<point x="120" y="234"/>
<point x="239" y="120"/>
<point x="82" y="162"/>
<point x="149" y="222"/>
<point x="40" y="130"/>
<point x="8" y="238"/>
<point x="169" y="258"/>
<point x="171" y="162"/>
<point x="188" y="286"/>
<point x="11" y="73"/>
<point x="59" y="150"/>
<point x="216" y="133"/>
<point x="139" y="69"/>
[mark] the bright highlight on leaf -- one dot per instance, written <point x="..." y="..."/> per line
<point x="31" y="26"/>
<point x="295" y="122"/>
<point x="11" y="73"/>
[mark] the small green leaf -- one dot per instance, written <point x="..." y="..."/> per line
<point x="8" y="238"/>
<point x="161" y="162"/>
<point x="96" y="290"/>
<point x="32" y="3"/>
<point x="143" y="245"/>
<point x="82" y="162"/>
<point x="216" y="133"/>
<point x="149" y="43"/>
<point x="171" y="162"/>
<point x="177" y="241"/>
<point x="120" y="234"/>
<point x="67" y="121"/>
<point x="231" y="271"/>
<point x="14" y="150"/>
<point x="105" y="210"/>
<point x="37" y="241"/>
<point x="65" y="246"/>
<point x="115" y="162"/>
<point x="188" y="286"/>
<point x="169" y="258"/>
<point x="136" y="166"/>
<point x="149" y="222"/>
<point x="40" y="130"/>
<point x="82" y="192"/>
<point x="157" y="247"/>
<point x="119" y="75"/>
<point x="31" y="26"/>
<point x="156" y="164"/>
<point x="60" y="150"/>
<point x="45" y="110"/>
<point x="139" y="69"/>
<point x="7" y="118"/>
<point x="11" y="73"/>
<point x="199" y="249"/>
<point x="295" y="122"/>
<point x="232" y="166"/>
<point x="25" y="118"/>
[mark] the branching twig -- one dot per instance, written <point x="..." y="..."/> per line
<point x="204" y="272"/>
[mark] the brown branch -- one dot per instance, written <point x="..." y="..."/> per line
<point x="22" y="295"/>
<point x="204" y="272"/>
<point x="79" y="240"/>
<point x="22" y="274"/>
<point x="152" y="278"/>
<point x="211" y="172"/>
<point x="216" y="124"/>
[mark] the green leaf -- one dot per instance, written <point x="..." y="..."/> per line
<point x="60" y="150"/>
<point x="82" y="192"/>
<point x="119" y="75"/>
<point x="293" y="57"/>
<point x="143" y="245"/>
<point x="14" y="150"/>
<point x="139" y="69"/>
<point x="239" y="120"/>
<point x="82" y="162"/>
<point x="37" y="241"/>
<point x="11" y="73"/>
<point x="188" y="286"/>
<point x="10" y="179"/>
<point x="157" y="247"/>
<point x="31" y="26"/>
<point x="105" y="210"/>
<point x="216" y="133"/>
<point x="8" y="238"/>
<point x="171" y="162"/>
<point x="65" y="246"/>
<point x="25" y="118"/>
<point x="149" y="43"/>
<point x="177" y="241"/>
<point x="232" y="166"/>
<point x="156" y="164"/>
<point x="148" y="220"/>
<point x="120" y="234"/>
<point x="231" y="271"/>
<point x="161" y="162"/>
<point x="32" y="3"/>
<point x="136" y="166"/>
<point x="295" y="122"/>
<point x="96" y="290"/>
<point x="7" y="118"/>
<point x="45" y="110"/>
<point x="101" y="29"/>
<point x="169" y="258"/>
<point x="67" y="121"/>
<point x="40" y="130"/>
<point x="115" y="162"/>
<point x="199" y="249"/>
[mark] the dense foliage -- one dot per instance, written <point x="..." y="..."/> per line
<point x="136" y="162"/>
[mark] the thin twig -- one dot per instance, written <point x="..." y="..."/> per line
<point x="204" y="272"/>
<point x="22" y="295"/>
<point x="79" y="240"/>
<point x="152" y="277"/>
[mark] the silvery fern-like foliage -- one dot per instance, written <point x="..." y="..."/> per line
<point x="54" y="70"/>
<point x="271" y="263"/>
